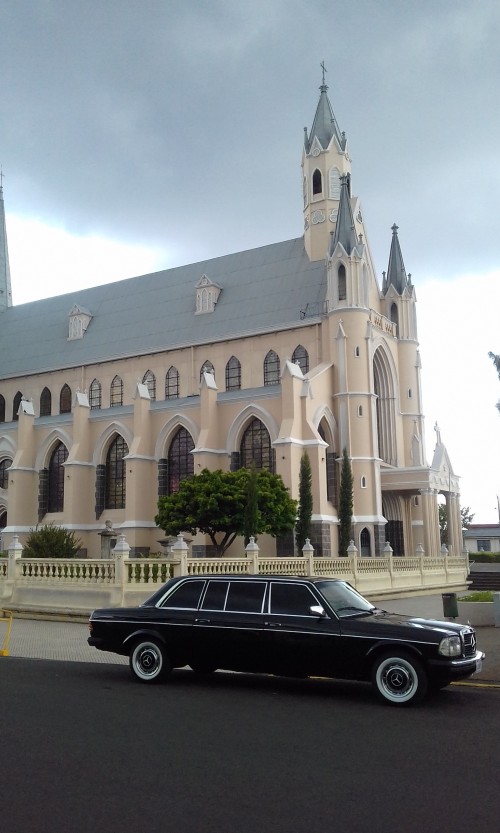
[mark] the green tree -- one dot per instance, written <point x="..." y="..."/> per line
<point x="51" y="541"/>
<point x="466" y="517"/>
<point x="303" y="525"/>
<point x="250" y="520"/>
<point x="345" y="504"/>
<point x="214" y="503"/>
<point x="496" y="361"/>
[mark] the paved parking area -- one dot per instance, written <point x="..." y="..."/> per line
<point x="30" y="638"/>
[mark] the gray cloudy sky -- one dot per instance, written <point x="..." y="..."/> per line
<point x="139" y="121"/>
<point x="125" y="118"/>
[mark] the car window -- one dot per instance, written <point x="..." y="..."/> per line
<point x="187" y="596"/>
<point x="291" y="599"/>
<point x="215" y="597"/>
<point x="245" y="596"/>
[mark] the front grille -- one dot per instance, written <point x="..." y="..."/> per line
<point x="469" y="642"/>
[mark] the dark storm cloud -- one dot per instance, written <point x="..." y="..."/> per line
<point x="180" y="124"/>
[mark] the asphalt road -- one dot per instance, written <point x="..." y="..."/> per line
<point x="83" y="748"/>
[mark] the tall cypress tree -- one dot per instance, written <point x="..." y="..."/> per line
<point x="345" y="504"/>
<point x="303" y="525"/>
<point x="251" y="507"/>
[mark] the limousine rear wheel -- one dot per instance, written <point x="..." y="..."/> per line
<point x="148" y="661"/>
<point x="399" y="678"/>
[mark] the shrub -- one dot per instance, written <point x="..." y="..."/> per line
<point x="485" y="557"/>
<point x="478" y="596"/>
<point x="51" y="541"/>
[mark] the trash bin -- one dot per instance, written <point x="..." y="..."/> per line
<point x="450" y="606"/>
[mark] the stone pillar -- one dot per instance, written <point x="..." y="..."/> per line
<point x="431" y="521"/>
<point x="23" y="479"/>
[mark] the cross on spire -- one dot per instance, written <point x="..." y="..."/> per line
<point x="323" y="69"/>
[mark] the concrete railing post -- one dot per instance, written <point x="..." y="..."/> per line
<point x="252" y="553"/>
<point x="388" y="552"/>
<point x="15" y="552"/>
<point x="352" y="553"/>
<point x="180" y="551"/>
<point x="121" y="554"/>
<point x="308" y="553"/>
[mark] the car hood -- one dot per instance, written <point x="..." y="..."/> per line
<point x="384" y="623"/>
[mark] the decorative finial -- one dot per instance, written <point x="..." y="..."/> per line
<point x="1" y="180"/>
<point x="394" y="228"/>
<point x="323" y="69"/>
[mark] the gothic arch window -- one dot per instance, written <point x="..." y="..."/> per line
<point x="116" y="392"/>
<point x="56" y="478"/>
<point x="4" y="473"/>
<point x="180" y="459"/>
<point x="395" y="316"/>
<point x="149" y="380"/>
<point x="116" y="469"/>
<point x="317" y="183"/>
<point x="342" y="280"/>
<point x="16" y="405"/>
<point x="271" y="368"/>
<point x="172" y="383"/>
<point x="300" y="356"/>
<point x="365" y="543"/>
<point x="255" y="448"/>
<point x="334" y="184"/>
<point x="207" y="367"/>
<point x="330" y="463"/>
<point x="233" y="374"/>
<point x="65" y="400"/>
<point x="3" y="520"/>
<point x="2" y="408"/>
<point x="385" y="407"/>
<point x="45" y="402"/>
<point x="95" y="395"/>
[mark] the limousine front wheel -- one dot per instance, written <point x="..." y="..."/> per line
<point x="148" y="661"/>
<point x="399" y="678"/>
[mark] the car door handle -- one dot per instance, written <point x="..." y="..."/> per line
<point x="273" y="624"/>
<point x="202" y="621"/>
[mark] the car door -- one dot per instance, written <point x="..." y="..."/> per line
<point x="229" y="624"/>
<point x="174" y="618"/>
<point x="298" y="641"/>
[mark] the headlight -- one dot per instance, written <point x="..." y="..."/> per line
<point x="450" y="646"/>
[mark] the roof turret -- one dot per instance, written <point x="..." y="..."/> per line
<point x="345" y="232"/>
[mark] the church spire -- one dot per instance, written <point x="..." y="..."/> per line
<point x="5" y="287"/>
<point x="325" y="125"/>
<point x="396" y="273"/>
<point x="325" y="159"/>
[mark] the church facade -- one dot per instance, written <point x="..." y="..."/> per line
<point x="110" y="396"/>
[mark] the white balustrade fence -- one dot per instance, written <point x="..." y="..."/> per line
<point x="81" y="584"/>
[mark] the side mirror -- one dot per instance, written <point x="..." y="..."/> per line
<point x="318" y="610"/>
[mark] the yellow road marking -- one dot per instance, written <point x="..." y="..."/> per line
<point x="479" y="685"/>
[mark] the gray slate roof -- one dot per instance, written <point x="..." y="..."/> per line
<point x="262" y="290"/>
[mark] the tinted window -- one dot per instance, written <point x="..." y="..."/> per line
<point x="215" y="596"/>
<point x="291" y="599"/>
<point x="186" y="596"/>
<point x="246" y="596"/>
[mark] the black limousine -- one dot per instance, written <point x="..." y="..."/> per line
<point x="287" y="626"/>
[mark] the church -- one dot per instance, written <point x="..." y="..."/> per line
<point x="110" y="396"/>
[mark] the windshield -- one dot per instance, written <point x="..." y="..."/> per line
<point x="343" y="598"/>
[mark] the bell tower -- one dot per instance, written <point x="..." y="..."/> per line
<point x="325" y="159"/>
